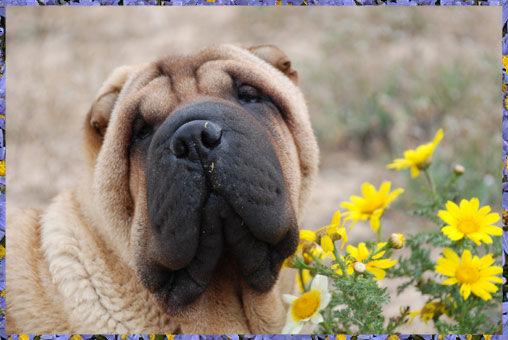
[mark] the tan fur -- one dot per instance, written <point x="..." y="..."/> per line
<point x="71" y="267"/>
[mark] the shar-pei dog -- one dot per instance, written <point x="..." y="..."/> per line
<point x="197" y="170"/>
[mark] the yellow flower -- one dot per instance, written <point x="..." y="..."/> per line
<point x="371" y="205"/>
<point x="341" y="337"/>
<point x="505" y="62"/>
<point x="170" y="336"/>
<point x="393" y="337"/>
<point x="309" y="251"/>
<point x="429" y="311"/>
<point x="473" y="274"/>
<point x="336" y="268"/>
<point x="305" y="248"/>
<point x="23" y="337"/>
<point x="76" y="337"/>
<point x="336" y="229"/>
<point x="375" y="265"/>
<point x="328" y="247"/>
<point x="307" y="306"/>
<point x="419" y="158"/>
<point x="2" y="168"/>
<point x="2" y="251"/>
<point x="469" y="220"/>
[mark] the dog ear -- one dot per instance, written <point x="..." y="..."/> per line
<point x="276" y="57"/>
<point x="98" y="116"/>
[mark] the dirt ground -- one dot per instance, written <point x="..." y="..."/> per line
<point x="58" y="57"/>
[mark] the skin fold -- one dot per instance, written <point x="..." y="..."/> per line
<point x="196" y="175"/>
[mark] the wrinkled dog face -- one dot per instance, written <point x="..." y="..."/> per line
<point x="212" y="162"/>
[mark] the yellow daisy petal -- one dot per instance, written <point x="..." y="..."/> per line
<point x="363" y="252"/>
<point x="379" y="274"/>
<point x="465" y="291"/>
<point x="451" y="255"/>
<point x="308" y="235"/>
<point x="383" y="264"/>
<point x="450" y="281"/>
<point x="453" y="233"/>
<point x="447" y="217"/>
<point x="415" y="172"/>
<point x="375" y="220"/>
<point x="327" y="244"/>
<point x="352" y="251"/>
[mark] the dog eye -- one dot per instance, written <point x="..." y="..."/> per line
<point x="141" y="129"/>
<point x="248" y="94"/>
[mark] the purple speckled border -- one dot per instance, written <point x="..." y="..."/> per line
<point x="504" y="87"/>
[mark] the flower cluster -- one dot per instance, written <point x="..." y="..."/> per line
<point x="467" y="267"/>
<point x="337" y="282"/>
<point x="322" y="255"/>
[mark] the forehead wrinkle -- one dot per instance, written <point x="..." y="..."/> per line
<point x="140" y="79"/>
<point x="181" y="71"/>
<point x="157" y="99"/>
<point x="213" y="80"/>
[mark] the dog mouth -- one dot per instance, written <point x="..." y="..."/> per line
<point x="212" y="195"/>
<point x="223" y="234"/>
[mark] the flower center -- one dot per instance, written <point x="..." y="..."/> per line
<point x="468" y="225"/>
<point x="467" y="274"/>
<point x="306" y="305"/>
<point x="372" y="205"/>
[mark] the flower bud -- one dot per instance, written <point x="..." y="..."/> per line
<point x="397" y="240"/>
<point x="458" y="169"/>
<point x="359" y="267"/>
<point x="309" y="249"/>
<point x="320" y="233"/>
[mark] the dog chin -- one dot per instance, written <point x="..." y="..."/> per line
<point x="223" y="235"/>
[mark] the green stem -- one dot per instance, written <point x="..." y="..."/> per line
<point x="431" y="182"/>
<point x="302" y="281"/>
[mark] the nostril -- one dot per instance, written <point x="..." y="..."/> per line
<point x="211" y="135"/>
<point x="195" y="139"/>
<point x="179" y="148"/>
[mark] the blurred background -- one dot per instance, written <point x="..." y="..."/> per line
<point x="377" y="81"/>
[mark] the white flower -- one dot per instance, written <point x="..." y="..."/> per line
<point x="307" y="306"/>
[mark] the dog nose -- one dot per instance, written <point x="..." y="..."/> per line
<point x="198" y="135"/>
